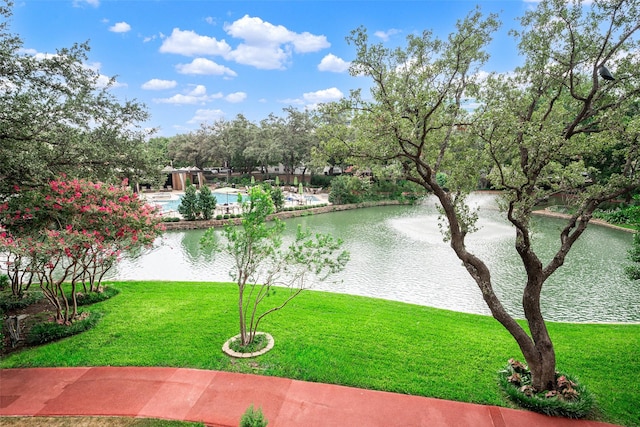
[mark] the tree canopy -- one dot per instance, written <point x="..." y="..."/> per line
<point x="71" y="231"/>
<point x="553" y="125"/>
<point x="58" y="116"/>
<point x="243" y="145"/>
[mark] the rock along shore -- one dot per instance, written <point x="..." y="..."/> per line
<point x="216" y="223"/>
<point x="200" y="224"/>
<point x="596" y="221"/>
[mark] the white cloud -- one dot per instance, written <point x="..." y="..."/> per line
<point x="236" y="97"/>
<point x="325" y="95"/>
<point x="384" y="35"/>
<point x="268" y="46"/>
<point x="312" y="99"/>
<point x="256" y="32"/>
<point x="120" y="27"/>
<point x="198" y="95"/>
<point x="334" y="64"/>
<point x="179" y="99"/>
<point x="79" y="3"/>
<point x="199" y="90"/>
<point x="263" y="46"/>
<point x="203" y="116"/>
<point x="104" y="81"/>
<point x="261" y="57"/>
<point x="307" y="42"/>
<point x="291" y="101"/>
<point x="39" y="55"/>
<point x="204" y="66"/>
<point x="158" y="84"/>
<point x="189" y="43"/>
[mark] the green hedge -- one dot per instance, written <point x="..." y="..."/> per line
<point x="46" y="332"/>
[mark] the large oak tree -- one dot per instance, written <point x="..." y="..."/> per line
<point x="531" y="135"/>
<point x="58" y="116"/>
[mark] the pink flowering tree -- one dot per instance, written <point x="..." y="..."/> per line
<point x="72" y="231"/>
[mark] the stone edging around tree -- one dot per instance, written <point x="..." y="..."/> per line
<point x="228" y="351"/>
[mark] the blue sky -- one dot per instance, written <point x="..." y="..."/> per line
<point x="195" y="61"/>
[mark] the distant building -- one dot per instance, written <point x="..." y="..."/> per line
<point x="177" y="178"/>
<point x="332" y="170"/>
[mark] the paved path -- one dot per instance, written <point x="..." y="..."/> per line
<point x="220" y="398"/>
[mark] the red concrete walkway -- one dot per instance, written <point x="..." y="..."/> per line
<point x="220" y="398"/>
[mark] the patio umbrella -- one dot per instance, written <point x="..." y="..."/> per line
<point x="300" y="188"/>
<point x="277" y="181"/>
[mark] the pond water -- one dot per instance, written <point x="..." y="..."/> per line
<point x="398" y="253"/>
<point x="173" y="203"/>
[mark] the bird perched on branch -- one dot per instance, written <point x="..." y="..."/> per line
<point x="605" y="73"/>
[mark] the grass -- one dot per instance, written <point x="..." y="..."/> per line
<point x="346" y="340"/>
<point x="259" y="342"/>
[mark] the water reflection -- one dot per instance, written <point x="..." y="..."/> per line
<point x="398" y="253"/>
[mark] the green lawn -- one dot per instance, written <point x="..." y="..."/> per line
<point x="343" y="339"/>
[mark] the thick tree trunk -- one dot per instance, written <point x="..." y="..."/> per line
<point x="537" y="349"/>
<point x="542" y="362"/>
<point x="543" y="368"/>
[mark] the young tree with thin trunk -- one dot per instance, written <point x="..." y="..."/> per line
<point x="261" y="263"/>
<point x="531" y="133"/>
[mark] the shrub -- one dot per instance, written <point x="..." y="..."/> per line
<point x="625" y="215"/>
<point x="253" y="418"/>
<point x="9" y="302"/>
<point x="170" y="219"/>
<point x="321" y="180"/>
<point x="570" y="399"/>
<point x="189" y="207"/>
<point x="95" y="297"/>
<point x="277" y="196"/>
<point x="4" y="282"/>
<point x="206" y="202"/>
<point x="348" y="189"/>
<point x="633" y="270"/>
<point x="45" y="332"/>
